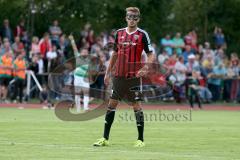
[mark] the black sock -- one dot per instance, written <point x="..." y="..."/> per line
<point x="191" y="101"/>
<point x="108" y="121"/>
<point x="140" y="123"/>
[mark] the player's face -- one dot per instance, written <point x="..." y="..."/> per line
<point x="84" y="52"/>
<point x="132" y="19"/>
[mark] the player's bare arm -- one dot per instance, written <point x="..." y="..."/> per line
<point x="110" y="67"/>
<point x="145" y="69"/>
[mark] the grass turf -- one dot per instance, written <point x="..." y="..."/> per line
<point x="36" y="134"/>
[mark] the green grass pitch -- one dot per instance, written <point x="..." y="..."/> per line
<point x="36" y="134"/>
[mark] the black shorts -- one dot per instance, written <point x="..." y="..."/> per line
<point x="4" y="81"/>
<point x="126" y="89"/>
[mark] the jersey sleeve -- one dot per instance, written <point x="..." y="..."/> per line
<point x="147" y="43"/>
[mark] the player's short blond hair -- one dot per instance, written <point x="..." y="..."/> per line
<point x="133" y="9"/>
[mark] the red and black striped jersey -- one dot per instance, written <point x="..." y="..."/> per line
<point x="129" y="48"/>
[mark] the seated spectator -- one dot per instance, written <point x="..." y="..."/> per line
<point x="187" y="53"/>
<point x="167" y="44"/>
<point x="171" y="61"/>
<point x="162" y="57"/>
<point x="178" y="44"/>
<point x="207" y="51"/>
<point x="17" y="47"/>
<point x="208" y="61"/>
<point x="192" y="64"/>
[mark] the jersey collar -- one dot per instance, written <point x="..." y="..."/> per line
<point x="130" y="32"/>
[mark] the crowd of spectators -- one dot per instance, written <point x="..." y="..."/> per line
<point x="218" y="73"/>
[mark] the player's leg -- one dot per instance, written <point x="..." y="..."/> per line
<point x="85" y="88"/>
<point x="117" y="94"/>
<point x="109" y="118"/>
<point x="140" y="123"/>
<point x="77" y="93"/>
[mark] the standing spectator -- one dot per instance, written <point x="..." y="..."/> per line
<point x="219" y="38"/>
<point x="55" y="32"/>
<point x="191" y="39"/>
<point x="86" y="30"/>
<point x="6" y="31"/>
<point x="20" y="29"/>
<point x="90" y="39"/>
<point x="6" y="66"/>
<point x="167" y="44"/>
<point x="227" y="84"/>
<point x="234" y="67"/>
<point x="52" y="58"/>
<point x="6" y="47"/>
<point x="20" y="66"/>
<point x="214" y="81"/>
<point x="219" y="56"/>
<point x="181" y="70"/>
<point x="35" y="48"/>
<point x="17" y="46"/>
<point x="178" y="44"/>
<point x="45" y="46"/>
<point x="62" y="49"/>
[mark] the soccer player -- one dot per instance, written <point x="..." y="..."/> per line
<point x="81" y="76"/>
<point x="130" y="42"/>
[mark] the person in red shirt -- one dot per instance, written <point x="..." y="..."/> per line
<point x="45" y="46"/>
<point x="20" y="29"/>
<point x="130" y="42"/>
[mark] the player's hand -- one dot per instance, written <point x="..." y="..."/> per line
<point x="106" y="79"/>
<point x="142" y="72"/>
